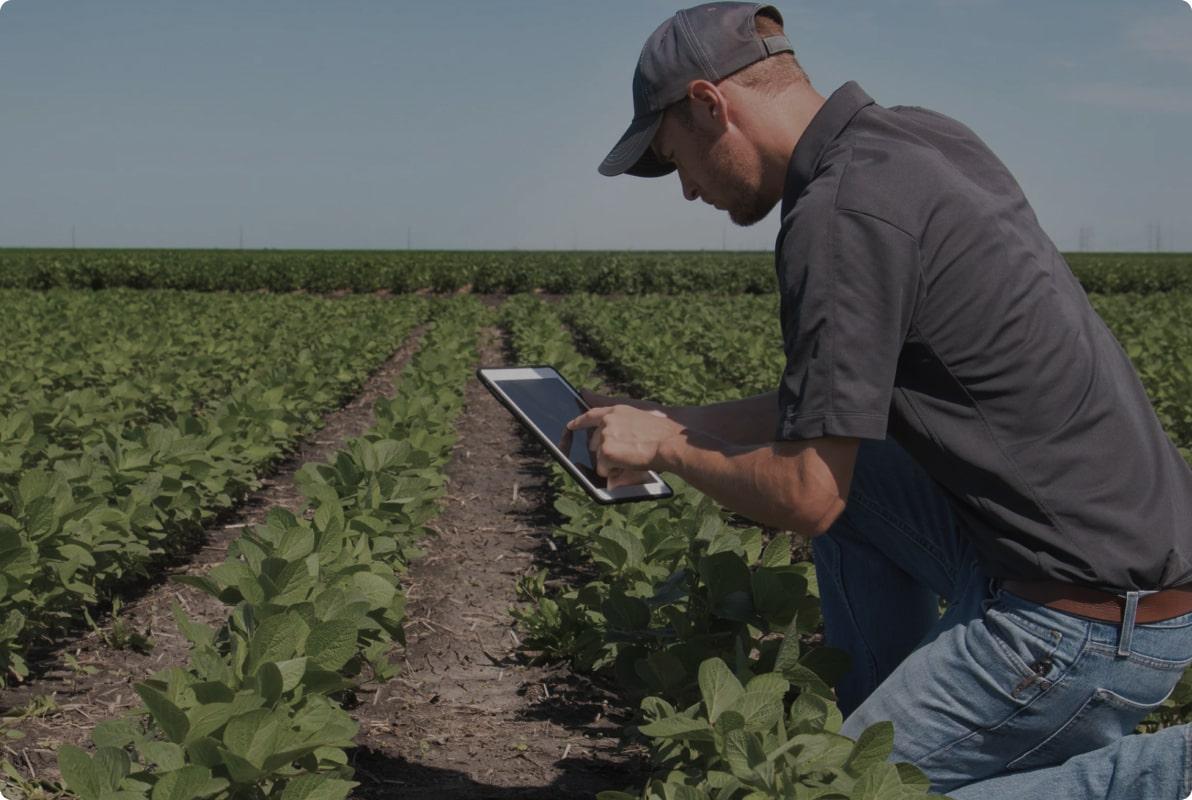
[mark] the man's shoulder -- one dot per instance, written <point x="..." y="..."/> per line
<point x="898" y="165"/>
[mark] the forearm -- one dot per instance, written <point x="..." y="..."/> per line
<point x="748" y="421"/>
<point x="784" y="485"/>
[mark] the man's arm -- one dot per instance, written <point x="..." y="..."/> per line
<point x="750" y="420"/>
<point x="797" y="486"/>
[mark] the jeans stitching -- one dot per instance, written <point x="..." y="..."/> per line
<point x="1008" y="611"/>
<point x="1186" y="790"/>
<point x="945" y="748"/>
<point x="1047" y="688"/>
<point x="1149" y="661"/>
<point x="1043" y="746"/>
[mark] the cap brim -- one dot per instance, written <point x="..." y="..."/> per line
<point x="632" y="154"/>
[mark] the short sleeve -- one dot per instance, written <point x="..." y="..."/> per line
<point x="848" y="293"/>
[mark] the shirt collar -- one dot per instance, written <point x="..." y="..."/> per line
<point x="832" y="118"/>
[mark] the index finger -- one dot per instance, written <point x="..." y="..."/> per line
<point x="588" y="419"/>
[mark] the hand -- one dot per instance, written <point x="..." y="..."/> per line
<point x="625" y="441"/>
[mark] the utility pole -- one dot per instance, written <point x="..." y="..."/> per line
<point x="72" y="237"/>
<point x="1085" y="238"/>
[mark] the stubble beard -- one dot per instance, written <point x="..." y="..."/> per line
<point x="744" y="200"/>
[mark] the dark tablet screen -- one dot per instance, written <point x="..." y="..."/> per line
<point x="551" y="405"/>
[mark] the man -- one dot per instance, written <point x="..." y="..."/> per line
<point x="1026" y="479"/>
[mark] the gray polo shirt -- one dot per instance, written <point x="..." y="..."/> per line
<point x="921" y="298"/>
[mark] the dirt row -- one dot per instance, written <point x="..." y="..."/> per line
<point x="468" y="717"/>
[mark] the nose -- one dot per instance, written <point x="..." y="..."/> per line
<point x="689" y="190"/>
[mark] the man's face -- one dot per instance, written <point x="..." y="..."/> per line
<point x="717" y="164"/>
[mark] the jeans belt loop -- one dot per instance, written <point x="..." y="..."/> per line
<point x="1130" y="614"/>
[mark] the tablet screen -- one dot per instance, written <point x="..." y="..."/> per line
<point x="551" y="405"/>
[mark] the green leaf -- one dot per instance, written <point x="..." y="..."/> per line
<point x="186" y="783"/>
<point x="828" y="663"/>
<point x="113" y="765"/>
<point x="321" y="681"/>
<point x="736" y="753"/>
<point x="316" y="787"/>
<point x="79" y="774"/>
<point x="777" y="593"/>
<point x="881" y="782"/>
<point x="166" y="756"/>
<point x="778" y="551"/>
<point x="291" y="672"/>
<point x="719" y="687"/>
<point x="168" y="716"/>
<point x="212" y="692"/>
<point x="269" y="682"/>
<point x="378" y="591"/>
<point x="677" y="727"/>
<point x="205" y="752"/>
<point x="277" y="638"/>
<point x="253" y="736"/>
<point x="811" y="713"/>
<point x="761" y="704"/>
<point x="330" y="644"/>
<point x="115" y="733"/>
<point x="626" y="613"/>
<point x="207" y="719"/>
<point x="874" y="746"/>
<point x="729" y="585"/>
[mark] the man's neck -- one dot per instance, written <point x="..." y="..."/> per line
<point x="784" y="123"/>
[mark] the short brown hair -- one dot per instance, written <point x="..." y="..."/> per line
<point x="770" y="76"/>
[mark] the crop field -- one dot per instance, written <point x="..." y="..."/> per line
<point x="263" y="535"/>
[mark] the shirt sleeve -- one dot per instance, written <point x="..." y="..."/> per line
<point x="848" y="294"/>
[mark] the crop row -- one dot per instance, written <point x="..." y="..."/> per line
<point x="315" y="608"/>
<point x="131" y="419"/>
<point x="690" y="350"/>
<point x="598" y="272"/>
<point x="709" y="622"/>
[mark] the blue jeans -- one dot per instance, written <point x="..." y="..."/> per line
<point x="1001" y="696"/>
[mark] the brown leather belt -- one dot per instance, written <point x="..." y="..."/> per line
<point x="1103" y="606"/>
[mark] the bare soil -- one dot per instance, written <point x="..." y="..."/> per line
<point x="469" y="717"/>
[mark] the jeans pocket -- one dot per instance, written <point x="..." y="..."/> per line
<point x="1105" y="717"/>
<point x="1028" y="649"/>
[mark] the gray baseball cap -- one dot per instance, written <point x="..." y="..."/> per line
<point x="708" y="42"/>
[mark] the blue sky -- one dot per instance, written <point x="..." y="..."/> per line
<point x="368" y="124"/>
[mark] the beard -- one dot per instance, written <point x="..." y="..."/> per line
<point x="740" y="183"/>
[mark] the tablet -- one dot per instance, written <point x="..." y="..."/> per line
<point x="544" y="403"/>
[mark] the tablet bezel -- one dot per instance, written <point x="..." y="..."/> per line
<point x="491" y="378"/>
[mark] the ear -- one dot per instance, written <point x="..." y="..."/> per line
<point x="709" y="105"/>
